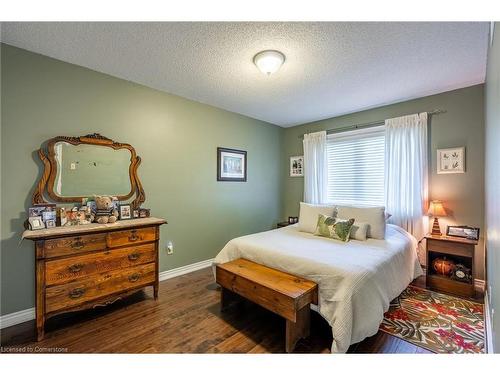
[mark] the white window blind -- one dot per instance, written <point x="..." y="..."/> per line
<point x="356" y="166"/>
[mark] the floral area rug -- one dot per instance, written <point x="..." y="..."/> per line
<point x="435" y="321"/>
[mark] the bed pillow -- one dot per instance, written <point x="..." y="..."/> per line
<point x="359" y="231"/>
<point x="373" y="216"/>
<point x="308" y="216"/>
<point x="338" y="229"/>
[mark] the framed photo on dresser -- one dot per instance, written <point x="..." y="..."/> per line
<point x="125" y="212"/>
<point x="36" y="223"/>
<point x="463" y="231"/>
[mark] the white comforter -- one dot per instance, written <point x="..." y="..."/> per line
<point x="357" y="280"/>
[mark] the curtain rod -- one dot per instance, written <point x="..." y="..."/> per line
<point x="371" y="124"/>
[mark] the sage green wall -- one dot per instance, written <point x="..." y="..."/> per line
<point x="461" y="125"/>
<point x="176" y="138"/>
<point x="493" y="184"/>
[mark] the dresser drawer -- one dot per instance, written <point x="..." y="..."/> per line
<point x="74" y="245"/>
<point x="131" y="236"/>
<point x="452" y="248"/>
<point x="64" y="270"/>
<point x="72" y="294"/>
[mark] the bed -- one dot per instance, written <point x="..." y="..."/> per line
<point x="357" y="280"/>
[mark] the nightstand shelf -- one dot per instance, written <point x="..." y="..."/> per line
<point x="458" y="250"/>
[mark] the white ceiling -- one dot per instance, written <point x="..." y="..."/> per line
<point x="331" y="68"/>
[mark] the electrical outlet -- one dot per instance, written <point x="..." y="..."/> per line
<point x="170" y="248"/>
<point x="72" y="166"/>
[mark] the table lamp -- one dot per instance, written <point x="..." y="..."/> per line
<point x="436" y="209"/>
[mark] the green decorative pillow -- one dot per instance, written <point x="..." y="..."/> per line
<point x="331" y="227"/>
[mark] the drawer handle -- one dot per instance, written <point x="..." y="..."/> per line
<point x="133" y="278"/>
<point x="76" y="293"/>
<point x="78" y="243"/>
<point x="107" y="302"/>
<point x="133" y="236"/>
<point x="134" y="256"/>
<point x="75" y="267"/>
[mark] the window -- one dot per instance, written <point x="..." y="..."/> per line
<point x="356" y="166"/>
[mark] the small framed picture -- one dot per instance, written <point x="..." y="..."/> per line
<point x="296" y="166"/>
<point x="39" y="209"/>
<point x="49" y="215"/>
<point x="231" y="165"/>
<point x="35" y="211"/>
<point x="36" y="223"/>
<point x="463" y="231"/>
<point x="135" y="214"/>
<point x="72" y="216"/>
<point x="50" y="223"/>
<point x="144" y="212"/>
<point x="451" y="160"/>
<point x="125" y="212"/>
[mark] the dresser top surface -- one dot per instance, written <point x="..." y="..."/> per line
<point x="451" y="239"/>
<point x="91" y="228"/>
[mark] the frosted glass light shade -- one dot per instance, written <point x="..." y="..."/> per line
<point x="269" y="61"/>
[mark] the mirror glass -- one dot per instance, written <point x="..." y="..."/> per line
<point x="85" y="170"/>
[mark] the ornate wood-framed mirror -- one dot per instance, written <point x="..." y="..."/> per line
<point x="79" y="167"/>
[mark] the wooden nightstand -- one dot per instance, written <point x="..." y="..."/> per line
<point x="283" y="224"/>
<point x="460" y="251"/>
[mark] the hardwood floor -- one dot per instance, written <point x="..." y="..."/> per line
<point x="185" y="319"/>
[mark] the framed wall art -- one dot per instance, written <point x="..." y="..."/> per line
<point x="451" y="160"/>
<point x="231" y="165"/>
<point x="296" y="166"/>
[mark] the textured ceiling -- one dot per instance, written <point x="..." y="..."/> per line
<point x="330" y="69"/>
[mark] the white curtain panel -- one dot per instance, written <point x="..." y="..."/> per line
<point x="315" y="168"/>
<point x="406" y="172"/>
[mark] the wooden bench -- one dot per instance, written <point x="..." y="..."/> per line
<point x="286" y="295"/>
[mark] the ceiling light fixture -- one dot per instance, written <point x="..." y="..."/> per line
<point x="269" y="61"/>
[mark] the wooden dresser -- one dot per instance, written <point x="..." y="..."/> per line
<point x="87" y="266"/>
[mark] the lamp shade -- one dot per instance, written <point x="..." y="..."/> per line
<point x="436" y="209"/>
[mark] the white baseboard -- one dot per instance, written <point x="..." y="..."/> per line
<point x="185" y="269"/>
<point x="488" y="325"/>
<point x="22" y="316"/>
<point x="17" y="317"/>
